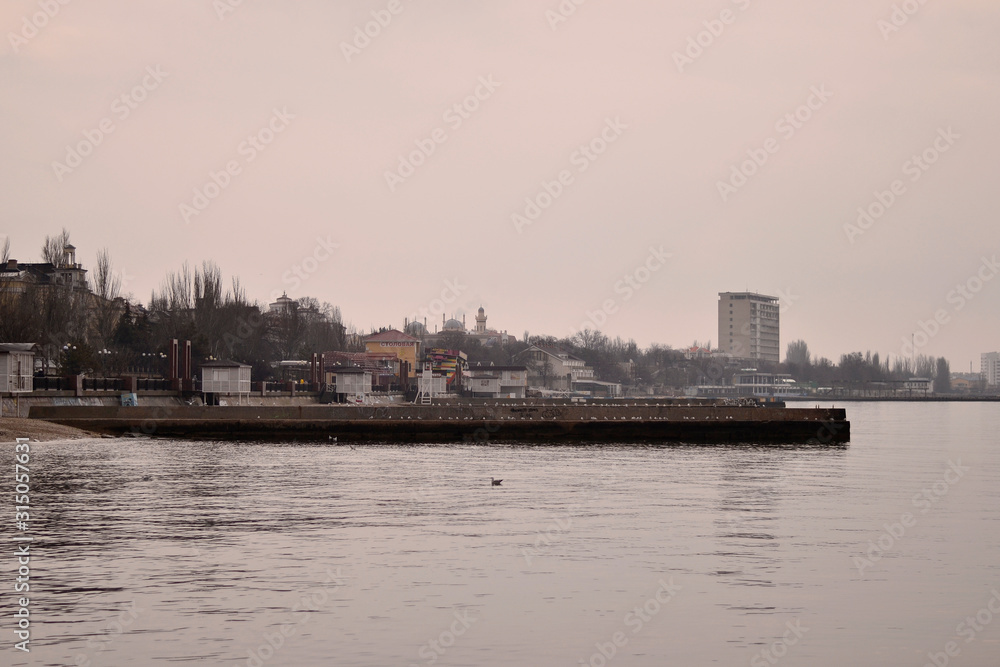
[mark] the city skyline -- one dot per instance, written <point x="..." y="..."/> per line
<point x="750" y="319"/>
<point x="845" y="167"/>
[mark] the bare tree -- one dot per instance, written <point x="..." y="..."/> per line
<point x="798" y="353"/>
<point x="5" y="251"/>
<point x="590" y="339"/>
<point x="52" y="249"/>
<point x="176" y="291"/>
<point x="20" y="318"/>
<point x="288" y="331"/>
<point x="107" y="305"/>
<point x="926" y="365"/>
<point x="107" y="285"/>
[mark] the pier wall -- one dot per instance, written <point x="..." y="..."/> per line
<point x="593" y="422"/>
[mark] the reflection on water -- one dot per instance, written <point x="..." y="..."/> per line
<point x="153" y="551"/>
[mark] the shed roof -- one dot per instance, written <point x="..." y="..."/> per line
<point x="221" y="363"/>
<point x="17" y="347"/>
<point x="391" y="336"/>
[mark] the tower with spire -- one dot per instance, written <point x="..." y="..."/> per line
<point x="481" y="321"/>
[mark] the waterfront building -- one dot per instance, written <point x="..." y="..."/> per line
<point x="919" y="386"/>
<point x="352" y="384"/>
<point x="961" y="384"/>
<point x="384" y="367"/>
<point x="749" y="326"/>
<point x="990" y="368"/>
<point x="449" y="364"/>
<point x="598" y="388"/>
<point x="750" y="382"/>
<point x="225" y="378"/>
<point x="393" y="341"/>
<point x="490" y="381"/>
<point x="17" y="362"/>
<point x="552" y="367"/>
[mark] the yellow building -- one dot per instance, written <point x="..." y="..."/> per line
<point x="406" y="348"/>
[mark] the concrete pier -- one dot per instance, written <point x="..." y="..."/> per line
<point x="514" y="422"/>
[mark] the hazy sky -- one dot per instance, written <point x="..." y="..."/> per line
<point x="184" y="85"/>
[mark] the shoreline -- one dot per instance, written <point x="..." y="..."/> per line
<point x="39" y="430"/>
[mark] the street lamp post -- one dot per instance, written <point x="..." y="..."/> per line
<point x="102" y="354"/>
<point x="67" y="348"/>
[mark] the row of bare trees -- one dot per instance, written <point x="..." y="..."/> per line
<point x="868" y="367"/>
<point x="96" y="329"/>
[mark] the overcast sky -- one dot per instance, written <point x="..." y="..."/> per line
<point x="664" y="193"/>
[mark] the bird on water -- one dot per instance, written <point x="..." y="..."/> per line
<point x="496" y="482"/>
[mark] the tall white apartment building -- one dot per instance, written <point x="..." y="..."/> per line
<point x="749" y="327"/>
<point x="990" y="367"/>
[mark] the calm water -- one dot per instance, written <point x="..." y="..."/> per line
<point x="156" y="552"/>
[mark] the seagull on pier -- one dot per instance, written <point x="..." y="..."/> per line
<point x="495" y="482"/>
